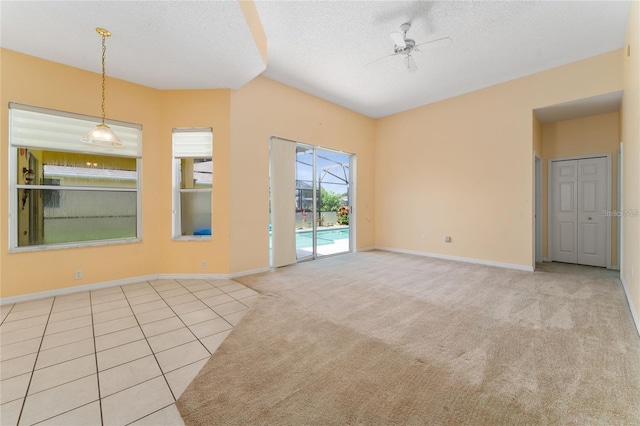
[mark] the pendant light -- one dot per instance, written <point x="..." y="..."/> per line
<point x="102" y="134"/>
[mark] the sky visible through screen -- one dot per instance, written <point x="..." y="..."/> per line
<point x="330" y="173"/>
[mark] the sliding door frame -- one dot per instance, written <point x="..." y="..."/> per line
<point x="351" y="197"/>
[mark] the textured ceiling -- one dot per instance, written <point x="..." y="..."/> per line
<point x="160" y="44"/>
<point x="320" y="47"/>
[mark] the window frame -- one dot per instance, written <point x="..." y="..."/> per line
<point x="176" y="200"/>
<point x="12" y="193"/>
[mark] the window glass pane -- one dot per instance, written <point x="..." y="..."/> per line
<point x="195" y="213"/>
<point x="71" y="169"/>
<point x="66" y="216"/>
<point x="195" y="173"/>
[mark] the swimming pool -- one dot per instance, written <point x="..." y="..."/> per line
<point x="325" y="237"/>
<point x="304" y="238"/>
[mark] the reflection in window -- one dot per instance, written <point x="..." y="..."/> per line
<point x="193" y="171"/>
<point x="195" y="196"/>
<point x="71" y="197"/>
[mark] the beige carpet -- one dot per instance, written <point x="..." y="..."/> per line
<point x="385" y="338"/>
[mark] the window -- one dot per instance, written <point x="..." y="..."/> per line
<point x="66" y="193"/>
<point x="192" y="173"/>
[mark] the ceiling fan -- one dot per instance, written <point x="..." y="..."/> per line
<point x="405" y="46"/>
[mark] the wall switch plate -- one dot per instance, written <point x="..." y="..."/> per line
<point x="447" y="239"/>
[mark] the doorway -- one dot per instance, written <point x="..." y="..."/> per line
<point x="311" y="199"/>
<point x="537" y="214"/>
<point x="579" y="197"/>
<point x="323" y="207"/>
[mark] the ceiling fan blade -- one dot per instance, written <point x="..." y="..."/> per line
<point x="380" y="59"/>
<point x="411" y="64"/>
<point x="439" y="42"/>
<point x="398" y="39"/>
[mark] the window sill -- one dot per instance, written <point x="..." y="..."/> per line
<point x="74" y="245"/>
<point x="193" y="238"/>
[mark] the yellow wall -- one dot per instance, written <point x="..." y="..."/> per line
<point x="459" y="167"/>
<point x="265" y="108"/>
<point x="463" y="166"/>
<point x="195" y="108"/>
<point x="537" y="153"/>
<point x="240" y="179"/>
<point x="250" y="13"/>
<point x="29" y="80"/>
<point x="537" y="135"/>
<point x="598" y="134"/>
<point x="630" y="270"/>
<point x="34" y="81"/>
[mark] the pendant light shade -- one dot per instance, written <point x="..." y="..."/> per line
<point x="101" y="134"/>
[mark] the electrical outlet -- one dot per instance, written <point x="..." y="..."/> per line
<point x="203" y="264"/>
<point x="77" y="274"/>
<point x="424" y="236"/>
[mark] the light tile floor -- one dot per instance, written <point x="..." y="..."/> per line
<point x="115" y="356"/>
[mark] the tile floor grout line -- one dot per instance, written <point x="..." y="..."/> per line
<point x="232" y="326"/>
<point x="19" y="356"/>
<point x="62" y="362"/>
<point x="6" y="316"/>
<point x="151" y="348"/>
<point x="191" y="363"/>
<point x="137" y="384"/>
<point x="72" y="302"/>
<point x="95" y="355"/>
<point x="143" y="417"/>
<point x="191" y="331"/>
<point x="35" y="362"/>
<point x="62" y="384"/>
<point x="72" y="305"/>
<point x="65" y="412"/>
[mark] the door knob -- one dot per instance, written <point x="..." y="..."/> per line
<point x="589" y="218"/>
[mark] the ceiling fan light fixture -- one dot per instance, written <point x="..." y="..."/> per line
<point x="102" y="134"/>
<point x="411" y="64"/>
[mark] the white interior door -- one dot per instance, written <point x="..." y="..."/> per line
<point x="578" y="198"/>
<point x="592" y="223"/>
<point x="564" y="214"/>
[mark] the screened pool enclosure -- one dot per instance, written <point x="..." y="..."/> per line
<point x="317" y="221"/>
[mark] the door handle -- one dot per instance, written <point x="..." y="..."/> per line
<point x="589" y="218"/>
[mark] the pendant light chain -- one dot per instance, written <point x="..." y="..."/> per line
<point x="101" y="134"/>
<point x="104" y="51"/>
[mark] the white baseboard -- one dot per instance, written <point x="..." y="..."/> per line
<point x="75" y="289"/>
<point x="636" y="320"/>
<point x="249" y="272"/>
<point x="367" y="248"/>
<point x="460" y="259"/>
<point x="105" y="284"/>
<point x="193" y="276"/>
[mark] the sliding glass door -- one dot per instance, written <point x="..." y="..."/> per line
<point x="311" y="210"/>
<point x="323" y="207"/>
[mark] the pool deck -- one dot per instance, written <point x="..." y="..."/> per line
<point x="338" y="246"/>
